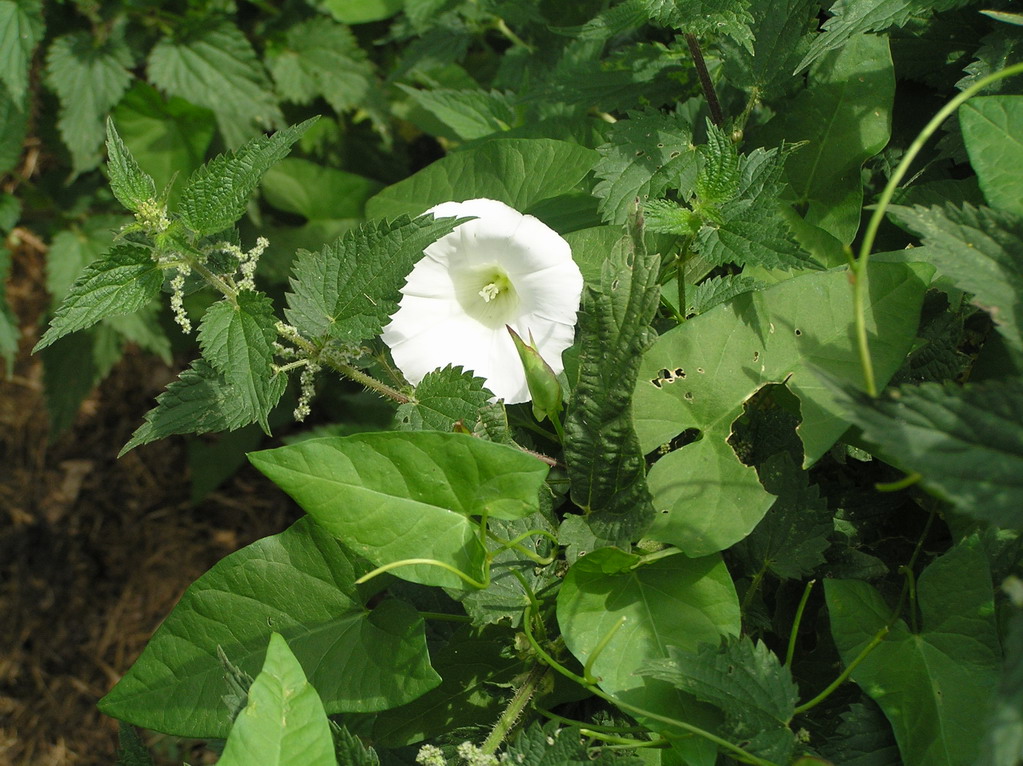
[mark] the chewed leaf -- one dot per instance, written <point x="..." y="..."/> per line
<point x="698" y="375"/>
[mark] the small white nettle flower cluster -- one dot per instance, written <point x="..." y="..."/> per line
<point x="468" y="753"/>
<point x="153" y="216"/>
<point x="177" y="300"/>
<point x="247" y="261"/>
<point x="501" y="269"/>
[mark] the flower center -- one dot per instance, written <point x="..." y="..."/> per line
<point x="487" y="295"/>
<point x="495" y="288"/>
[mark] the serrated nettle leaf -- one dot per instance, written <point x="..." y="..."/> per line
<point x="647" y="154"/>
<point x="349" y="750"/>
<point x="981" y="251"/>
<point x="397" y="496"/>
<point x="236" y="338"/>
<point x="130" y="184"/>
<point x="605" y="463"/>
<point x="992" y="127"/>
<point x="284" y="721"/>
<point x="718" y="290"/>
<point x="747" y="682"/>
<point x="864" y="738"/>
<point x="935" y="685"/>
<point x="217" y="193"/>
<point x="213" y="65"/>
<point x="168" y="137"/>
<point x="349" y="288"/>
<point x="200" y="401"/>
<point x="967" y="442"/>
<point x="21" y="28"/>
<point x="89" y="79"/>
<point x="72" y="250"/>
<point x="121" y="282"/>
<point x="442" y="399"/>
<point x="323" y="58"/>
<point x="853" y="17"/>
<point x="703" y="17"/>
<point x="783" y="32"/>
<point x="505" y="599"/>
<point x="699" y="374"/>
<point x="674" y="601"/>
<point x="718" y="177"/>
<point x="301" y="584"/>
<point x="844" y="115"/>
<point x="517" y="171"/>
<point x="13" y="127"/>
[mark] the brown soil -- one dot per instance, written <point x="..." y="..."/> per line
<point x="94" y="551"/>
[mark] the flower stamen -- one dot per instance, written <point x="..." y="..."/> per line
<point x="489" y="292"/>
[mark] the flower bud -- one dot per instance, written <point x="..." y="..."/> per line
<point x="544" y="388"/>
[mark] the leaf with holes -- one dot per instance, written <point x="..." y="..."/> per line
<point x="699" y="374"/>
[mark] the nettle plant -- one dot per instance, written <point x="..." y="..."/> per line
<point x="639" y="392"/>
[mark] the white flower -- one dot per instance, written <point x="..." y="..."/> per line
<point x="501" y="268"/>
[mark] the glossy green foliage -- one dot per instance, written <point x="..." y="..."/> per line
<point x="844" y="115"/>
<point x="283" y="721"/>
<point x="301" y="584"/>
<point x="392" y="496"/>
<point x="934" y="677"/>
<point x="967" y="443"/>
<point x="992" y="127"/>
<point x="698" y="375"/>
<point x="518" y="172"/>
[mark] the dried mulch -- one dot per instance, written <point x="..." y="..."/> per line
<point x="94" y="551"/>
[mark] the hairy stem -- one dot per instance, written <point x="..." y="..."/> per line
<point x="874" y="642"/>
<point x="518" y="703"/>
<point x="791" y="650"/>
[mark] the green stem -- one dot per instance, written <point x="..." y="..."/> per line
<point x="754" y="586"/>
<point x="859" y="273"/>
<point x="627" y="742"/>
<point x="894" y="486"/>
<point x="430" y="562"/>
<point x="874" y="642"/>
<point x="689" y="728"/>
<point x="445" y="617"/>
<point x="369" y="382"/>
<point x="511" y="713"/>
<point x="514" y="543"/>
<point x="791" y="650"/>
<point x="219" y="283"/>
<point x="556" y="422"/>
<point x="590" y="726"/>
<point x="599" y="649"/>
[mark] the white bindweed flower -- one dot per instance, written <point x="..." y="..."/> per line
<point x="500" y="269"/>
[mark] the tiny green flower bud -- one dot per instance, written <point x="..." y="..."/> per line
<point x="544" y="388"/>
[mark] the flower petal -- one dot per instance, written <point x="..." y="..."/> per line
<point x="501" y="267"/>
